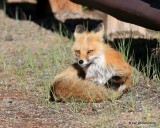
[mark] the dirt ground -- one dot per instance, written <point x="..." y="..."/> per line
<point x="25" y="104"/>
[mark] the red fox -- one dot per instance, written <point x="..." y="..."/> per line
<point x="100" y="73"/>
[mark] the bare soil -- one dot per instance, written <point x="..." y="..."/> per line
<point x="27" y="107"/>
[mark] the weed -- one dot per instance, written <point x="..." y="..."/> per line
<point x="124" y="48"/>
<point x="61" y="30"/>
<point x="84" y="8"/>
<point x="4" y="6"/>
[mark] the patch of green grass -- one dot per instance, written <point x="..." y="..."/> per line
<point x="84" y="8"/>
<point x="6" y="68"/>
<point x="124" y="48"/>
<point x="46" y="63"/>
<point x="150" y="69"/>
<point x="131" y="102"/>
<point x="61" y="30"/>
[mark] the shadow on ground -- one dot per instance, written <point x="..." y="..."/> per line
<point x="142" y="50"/>
<point x="41" y="14"/>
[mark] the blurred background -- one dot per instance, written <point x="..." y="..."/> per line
<point x="70" y="14"/>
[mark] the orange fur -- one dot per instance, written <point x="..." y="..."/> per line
<point x="65" y="5"/>
<point x="74" y="83"/>
<point x="71" y="84"/>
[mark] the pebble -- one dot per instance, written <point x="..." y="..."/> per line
<point x="8" y="38"/>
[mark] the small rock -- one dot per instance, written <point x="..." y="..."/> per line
<point x="8" y="38"/>
<point x="10" y="101"/>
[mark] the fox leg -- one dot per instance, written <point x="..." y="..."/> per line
<point x="119" y="83"/>
<point x="126" y="83"/>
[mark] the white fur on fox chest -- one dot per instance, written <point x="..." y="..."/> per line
<point x="98" y="72"/>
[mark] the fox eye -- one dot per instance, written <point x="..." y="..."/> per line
<point x="77" y="52"/>
<point x="89" y="51"/>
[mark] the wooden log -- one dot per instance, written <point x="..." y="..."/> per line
<point x="145" y="13"/>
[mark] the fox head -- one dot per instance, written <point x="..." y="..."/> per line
<point x="88" y="46"/>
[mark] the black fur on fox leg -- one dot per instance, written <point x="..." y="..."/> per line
<point x="53" y="99"/>
<point x="115" y="82"/>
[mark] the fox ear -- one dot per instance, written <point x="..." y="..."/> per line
<point x="100" y="30"/>
<point x="79" y="29"/>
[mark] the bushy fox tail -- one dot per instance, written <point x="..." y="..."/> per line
<point x="81" y="90"/>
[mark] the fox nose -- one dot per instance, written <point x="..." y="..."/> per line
<point x="80" y="61"/>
